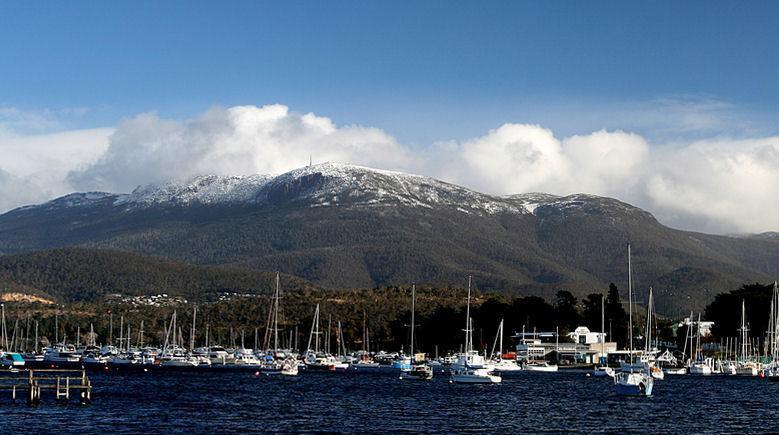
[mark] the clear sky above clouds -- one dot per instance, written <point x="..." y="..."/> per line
<point x="668" y="105"/>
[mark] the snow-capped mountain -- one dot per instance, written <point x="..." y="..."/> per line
<point x="348" y="226"/>
<point x="324" y="185"/>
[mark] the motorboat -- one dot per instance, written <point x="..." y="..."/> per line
<point x="656" y="372"/>
<point x="418" y="372"/>
<point x="504" y="365"/>
<point x="61" y="353"/>
<point x="540" y="366"/>
<point x="474" y="376"/>
<point x="11" y="360"/>
<point x="245" y="357"/>
<point x="675" y="371"/>
<point x="700" y="368"/>
<point x="633" y="383"/>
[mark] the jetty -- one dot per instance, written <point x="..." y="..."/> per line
<point x="33" y="384"/>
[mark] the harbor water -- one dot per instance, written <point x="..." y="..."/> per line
<point x="352" y="402"/>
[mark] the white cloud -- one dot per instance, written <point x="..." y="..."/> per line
<point x="237" y="140"/>
<point x="717" y="185"/>
<point x="33" y="168"/>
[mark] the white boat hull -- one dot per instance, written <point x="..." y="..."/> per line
<point x="700" y="369"/>
<point x="633" y="384"/>
<point x="603" y="372"/>
<point x="478" y="376"/>
<point x="541" y="368"/>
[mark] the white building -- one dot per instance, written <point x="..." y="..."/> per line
<point x="583" y="335"/>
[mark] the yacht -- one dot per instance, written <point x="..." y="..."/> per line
<point x="419" y="371"/>
<point x="632" y="382"/>
<point x="498" y="363"/>
<point x="470" y="367"/>
<point x="540" y="366"/>
<point x="747" y="364"/>
<point x="61" y="353"/>
<point x="603" y="370"/>
<point x="246" y="358"/>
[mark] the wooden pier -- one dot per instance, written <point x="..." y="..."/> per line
<point x="32" y="384"/>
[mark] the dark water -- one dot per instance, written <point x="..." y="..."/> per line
<point x="524" y="402"/>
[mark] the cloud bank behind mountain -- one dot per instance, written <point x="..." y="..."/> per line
<point x="720" y="184"/>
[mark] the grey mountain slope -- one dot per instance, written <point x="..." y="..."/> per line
<point x="348" y="226"/>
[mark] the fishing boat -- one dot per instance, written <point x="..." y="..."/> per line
<point x="632" y="382"/>
<point x="418" y="371"/>
<point x="470" y="367"/>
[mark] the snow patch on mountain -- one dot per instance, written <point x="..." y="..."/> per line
<point x="328" y="185"/>
<point x="208" y="189"/>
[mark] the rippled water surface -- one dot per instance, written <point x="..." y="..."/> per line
<point x="564" y="401"/>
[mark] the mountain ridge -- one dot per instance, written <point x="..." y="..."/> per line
<point x="347" y="226"/>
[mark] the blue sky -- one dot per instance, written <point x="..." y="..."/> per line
<point x="668" y="105"/>
<point x="422" y="71"/>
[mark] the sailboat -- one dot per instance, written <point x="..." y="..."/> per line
<point x="699" y="365"/>
<point x="315" y="358"/>
<point x="498" y="363"/>
<point x="650" y="351"/>
<point x="278" y="362"/>
<point x="8" y="359"/>
<point x="418" y="371"/>
<point x="470" y="367"/>
<point x="631" y="382"/>
<point x="746" y="364"/>
<point x="772" y="369"/>
<point x="365" y="361"/>
<point x="603" y="370"/>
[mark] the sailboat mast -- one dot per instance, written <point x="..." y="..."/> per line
<point x="630" y="306"/>
<point x="192" y="334"/>
<point x="468" y="318"/>
<point x="4" y="332"/>
<point x="603" y="325"/>
<point x="276" y="317"/>
<point x="314" y="330"/>
<point x="500" y="345"/>
<point x="413" y="302"/>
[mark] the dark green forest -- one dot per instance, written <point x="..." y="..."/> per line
<point x="385" y="311"/>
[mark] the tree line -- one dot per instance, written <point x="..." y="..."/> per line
<point x="385" y="311"/>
